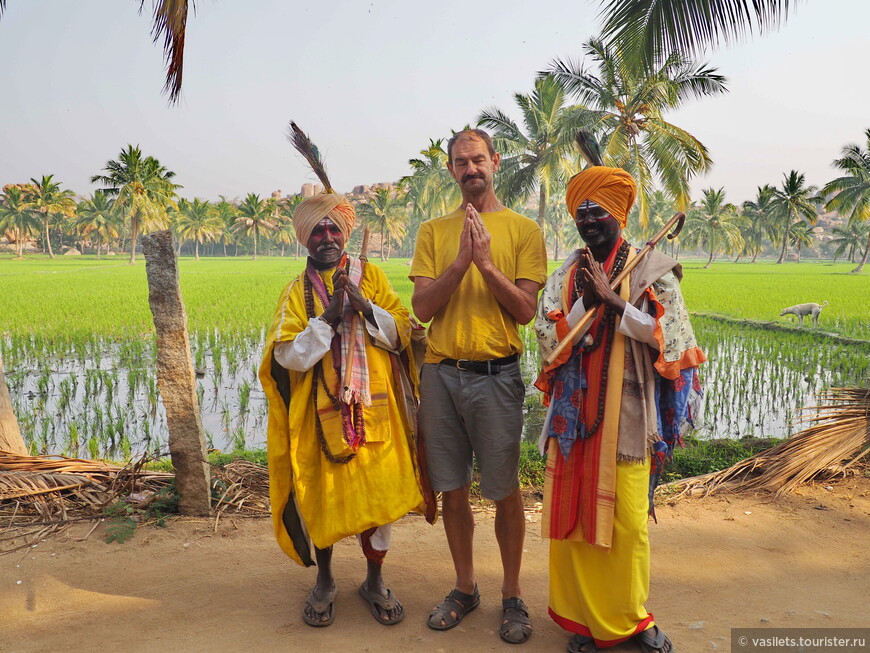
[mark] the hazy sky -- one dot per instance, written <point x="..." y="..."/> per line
<point x="373" y="81"/>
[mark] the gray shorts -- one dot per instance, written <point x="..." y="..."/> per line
<point x="464" y="414"/>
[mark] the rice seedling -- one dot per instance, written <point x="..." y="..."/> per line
<point x="100" y="332"/>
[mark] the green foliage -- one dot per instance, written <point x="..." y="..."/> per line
<point x="532" y="465"/>
<point x="120" y="526"/>
<point x="698" y="457"/>
<point x="122" y="515"/>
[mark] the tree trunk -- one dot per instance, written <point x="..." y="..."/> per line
<point x="542" y="206"/>
<point x="709" y="260"/>
<point x="256" y="239"/>
<point x="175" y="376"/>
<point x="134" y="232"/>
<point x="863" y="258"/>
<point x="48" y="239"/>
<point x="784" y="251"/>
<point x="196" y="250"/>
<point x="10" y="434"/>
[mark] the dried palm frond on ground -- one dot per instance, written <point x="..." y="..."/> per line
<point x="837" y="438"/>
<point x="40" y="495"/>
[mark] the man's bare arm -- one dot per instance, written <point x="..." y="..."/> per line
<point x="431" y="295"/>
<point x="519" y="298"/>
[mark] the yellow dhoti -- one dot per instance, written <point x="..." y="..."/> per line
<point x="598" y="592"/>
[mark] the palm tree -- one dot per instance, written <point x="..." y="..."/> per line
<point x="650" y="27"/>
<point x="429" y="189"/>
<point x="98" y="217"/>
<point x="46" y="199"/>
<point x="16" y="217"/>
<point x="142" y="189"/>
<point x="197" y="221"/>
<point x="801" y="234"/>
<point x="791" y="203"/>
<point x="545" y="155"/>
<point x="714" y="225"/>
<point x="759" y="221"/>
<point x="227" y="212"/>
<point x="627" y="103"/>
<point x="852" y="238"/>
<point x="387" y="212"/>
<point x="851" y="192"/>
<point x="286" y="232"/>
<point x="169" y="24"/>
<point x="558" y="224"/>
<point x="254" y="216"/>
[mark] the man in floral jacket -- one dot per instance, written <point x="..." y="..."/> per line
<point x="618" y="399"/>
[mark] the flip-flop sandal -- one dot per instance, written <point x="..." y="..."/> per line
<point x="320" y="608"/>
<point x="581" y="644"/>
<point x="376" y="601"/>
<point x="653" y="640"/>
<point x="515" y="627"/>
<point x="456" y="602"/>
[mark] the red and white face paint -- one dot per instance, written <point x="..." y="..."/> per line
<point x="326" y="243"/>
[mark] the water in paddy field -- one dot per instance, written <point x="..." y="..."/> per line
<point x="92" y="399"/>
<point x="755" y="381"/>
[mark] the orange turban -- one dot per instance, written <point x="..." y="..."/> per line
<point x="326" y="205"/>
<point x="611" y="188"/>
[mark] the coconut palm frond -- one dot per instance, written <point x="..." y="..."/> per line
<point x="589" y="148"/>
<point x="170" y="23"/>
<point x="40" y="495"/>
<point x="839" y="431"/>
<point x="311" y="154"/>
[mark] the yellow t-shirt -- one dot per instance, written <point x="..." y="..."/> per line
<point x="473" y="324"/>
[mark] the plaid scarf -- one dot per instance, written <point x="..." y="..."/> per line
<point x="348" y="354"/>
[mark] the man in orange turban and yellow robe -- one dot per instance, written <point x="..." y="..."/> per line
<point x="617" y="400"/>
<point x="341" y="454"/>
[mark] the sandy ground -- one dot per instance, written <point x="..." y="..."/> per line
<point x="718" y="563"/>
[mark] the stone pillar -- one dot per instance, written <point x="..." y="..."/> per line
<point x="175" y="376"/>
<point x="10" y="434"/>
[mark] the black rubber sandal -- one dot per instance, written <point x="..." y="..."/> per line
<point x="456" y="602"/>
<point x="581" y="644"/>
<point x="653" y="640"/>
<point x="516" y="627"/>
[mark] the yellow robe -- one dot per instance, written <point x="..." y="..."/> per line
<point x="381" y="483"/>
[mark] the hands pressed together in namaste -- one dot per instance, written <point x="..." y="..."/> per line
<point x="343" y="286"/>
<point x="596" y="285"/>
<point x="474" y="240"/>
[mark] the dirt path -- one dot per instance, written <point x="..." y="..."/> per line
<point x="718" y="563"/>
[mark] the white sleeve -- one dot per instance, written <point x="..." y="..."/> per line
<point x="578" y="310"/>
<point x="307" y="348"/>
<point x="638" y="325"/>
<point x="385" y="333"/>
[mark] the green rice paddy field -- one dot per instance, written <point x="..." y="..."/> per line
<point x="77" y="341"/>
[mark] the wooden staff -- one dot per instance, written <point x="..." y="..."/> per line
<point x="363" y="256"/>
<point x="677" y="223"/>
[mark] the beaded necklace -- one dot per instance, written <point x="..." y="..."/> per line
<point x="606" y="325"/>
<point x="319" y="379"/>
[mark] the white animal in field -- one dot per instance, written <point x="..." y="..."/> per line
<point x="802" y="310"/>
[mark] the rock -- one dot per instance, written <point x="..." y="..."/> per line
<point x="72" y="251"/>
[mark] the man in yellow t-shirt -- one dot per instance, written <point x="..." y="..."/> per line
<point x="476" y="274"/>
